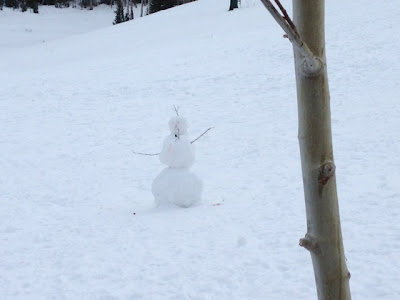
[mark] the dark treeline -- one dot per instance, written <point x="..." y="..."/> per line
<point x="152" y="6"/>
<point x="124" y="7"/>
<point x="21" y="4"/>
<point x="157" y="5"/>
<point x="24" y="5"/>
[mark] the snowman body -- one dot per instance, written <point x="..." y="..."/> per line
<point x="176" y="184"/>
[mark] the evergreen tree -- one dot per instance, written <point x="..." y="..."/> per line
<point x="119" y="13"/>
<point x="61" y="3"/>
<point x="34" y="5"/>
<point x="12" y="3"/>
<point x="157" y="5"/>
<point x="23" y="5"/>
<point x="234" y="4"/>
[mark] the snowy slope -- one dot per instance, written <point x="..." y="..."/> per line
<point x="77" y="218"/>
<point x="24" y="29"/>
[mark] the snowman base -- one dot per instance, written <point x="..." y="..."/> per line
<point x="177" y="186"/>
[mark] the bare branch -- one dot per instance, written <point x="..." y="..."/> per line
<point x="312" y="64"/>
<point x="148" y="154"/>
<point x="282" y="22"/>
<point x="286" y="17"/>
<point x="201" y="135"/>
<point x="176" y="110"/>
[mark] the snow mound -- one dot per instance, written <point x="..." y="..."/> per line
<point x="177" y="186"/>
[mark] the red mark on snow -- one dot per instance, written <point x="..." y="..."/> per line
<point x="216" y="204"/>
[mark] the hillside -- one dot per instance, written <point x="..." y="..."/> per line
<point x="77" y="218"/>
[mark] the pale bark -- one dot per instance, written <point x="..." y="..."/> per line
<point x="323" y="238"/>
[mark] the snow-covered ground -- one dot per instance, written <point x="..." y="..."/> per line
<point x="77" y="217"/>
<point x="25" y="29"/>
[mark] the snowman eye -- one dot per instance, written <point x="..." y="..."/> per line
<point x="176" y="135"/>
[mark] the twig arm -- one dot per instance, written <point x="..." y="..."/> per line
<point x="148" y="154"/>
<point x="201" y="135"/>
<point x="154" y="154"/>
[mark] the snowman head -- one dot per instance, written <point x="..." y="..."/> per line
<point x="178" y="126"/>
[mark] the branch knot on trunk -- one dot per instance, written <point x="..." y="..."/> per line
<point x="311" y="244"/>
<point x="326" y="172"/>
<point x="312" y="67"/>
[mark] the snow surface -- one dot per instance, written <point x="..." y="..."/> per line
<point x="20" y="29"/>
<point x="77" y="218"/>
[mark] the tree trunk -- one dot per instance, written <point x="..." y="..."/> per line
<point x="234" y="4"/>
<point x="324" y="237"/>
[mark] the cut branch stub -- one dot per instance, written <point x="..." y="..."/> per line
<point x="310" y="244"/>
<point x="325" y="173"/>
<point x="311" y="67"/>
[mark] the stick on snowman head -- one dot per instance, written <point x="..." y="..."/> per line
<point x="178" y="126"/>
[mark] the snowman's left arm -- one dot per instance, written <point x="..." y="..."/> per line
<point x="201" y="135"/>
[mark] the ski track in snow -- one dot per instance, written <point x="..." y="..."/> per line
<point x="77" y="219"/>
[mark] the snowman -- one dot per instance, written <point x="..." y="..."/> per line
<point x="176" y="184"/>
